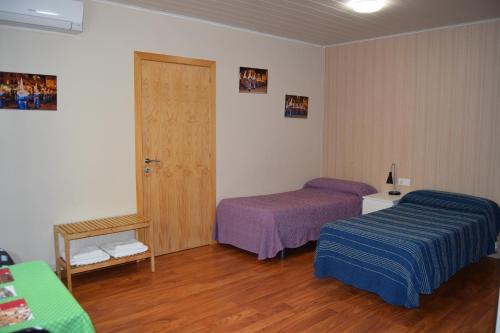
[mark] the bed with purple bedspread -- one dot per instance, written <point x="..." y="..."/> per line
<point x="267" y="224"/>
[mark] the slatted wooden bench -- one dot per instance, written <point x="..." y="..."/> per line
<point x="91" y="228"/>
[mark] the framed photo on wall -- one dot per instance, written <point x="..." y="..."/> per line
<point x="296" y="106"/>
<point x="253" y="80"/>
<point x="23" y="91"/>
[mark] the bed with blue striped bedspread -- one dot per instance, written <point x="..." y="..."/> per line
<point x="411" y="248"/>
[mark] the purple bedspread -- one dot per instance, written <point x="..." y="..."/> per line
<point x="267" y="224"/>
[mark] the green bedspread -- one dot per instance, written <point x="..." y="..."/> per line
<point x="52" y="305"/>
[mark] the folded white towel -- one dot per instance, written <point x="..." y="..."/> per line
<point x="85" y="252"/>
<point x="124" y="248"/>
<point x="118" y="254"/>
<point x="86" y="255"/>
<point x="81" y="252"/>
<point x="91" y="260"/>
<point x="129" y="244"/>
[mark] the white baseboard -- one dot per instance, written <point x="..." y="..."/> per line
<point x="497" y="250"/>
<point x="495" y="255"/>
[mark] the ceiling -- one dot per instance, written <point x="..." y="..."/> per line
<point x="327" y="22"/>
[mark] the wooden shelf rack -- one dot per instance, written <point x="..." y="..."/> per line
<point x="91" y="228"/>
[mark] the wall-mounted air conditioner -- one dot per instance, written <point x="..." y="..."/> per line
<point x="61" y="15"/>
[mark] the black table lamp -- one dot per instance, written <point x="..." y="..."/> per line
<point x="392" y="179"/>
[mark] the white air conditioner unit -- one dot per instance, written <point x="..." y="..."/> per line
<point x="60" y="15"/>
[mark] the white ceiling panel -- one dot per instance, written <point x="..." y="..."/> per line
<point x="327" y="22"/>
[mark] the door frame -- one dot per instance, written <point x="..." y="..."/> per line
<point x="139" y="158"/>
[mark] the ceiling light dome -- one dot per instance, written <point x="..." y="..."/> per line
<point x="366" y="6"/>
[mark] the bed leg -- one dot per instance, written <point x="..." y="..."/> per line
<point x="282" y="254"/>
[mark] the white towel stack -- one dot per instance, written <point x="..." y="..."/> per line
<point x="124" y="248"/>
<point x="87" y="255"/>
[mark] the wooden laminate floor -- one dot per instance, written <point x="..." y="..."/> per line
<point x="222" y="289"/>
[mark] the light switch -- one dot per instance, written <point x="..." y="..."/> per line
<point x="404" y="181"/>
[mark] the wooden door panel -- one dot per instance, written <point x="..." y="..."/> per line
<point x="177" y="117"/>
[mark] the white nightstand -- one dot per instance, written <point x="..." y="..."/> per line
<point x="378" y="201"/>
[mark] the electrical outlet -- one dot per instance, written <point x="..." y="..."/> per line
<point x="404" y="181"/>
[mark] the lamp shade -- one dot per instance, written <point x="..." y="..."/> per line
<point x="389" y="179"/>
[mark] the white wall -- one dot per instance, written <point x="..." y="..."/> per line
<point x="78" y="162"/>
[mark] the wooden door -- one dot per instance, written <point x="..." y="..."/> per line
<point x="175" y="124"/>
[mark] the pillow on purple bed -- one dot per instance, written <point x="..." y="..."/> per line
<point x="340" y="185"/>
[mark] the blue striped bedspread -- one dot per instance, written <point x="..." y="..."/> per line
<point x="409" y="249"/>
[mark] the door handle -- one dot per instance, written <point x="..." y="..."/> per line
<point x="147" y="161"/>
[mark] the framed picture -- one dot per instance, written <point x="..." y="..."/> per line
<point x="22" y="91"/>
<point x="253" y="80"/>
<point x="296" y="106"/>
